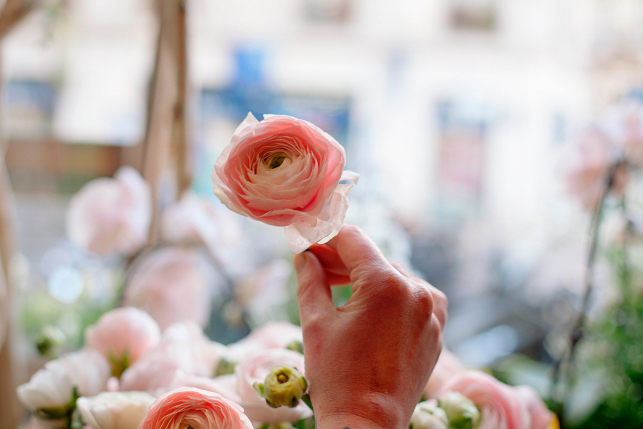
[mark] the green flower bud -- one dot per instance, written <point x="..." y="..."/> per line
<point x="50" y="340"/>
<point x="427" y="415"/>
<point x="461" y="411"/>
<point x="224" y="367"/>
<point x="296" y="346"/>
<point x="284" y="386"/>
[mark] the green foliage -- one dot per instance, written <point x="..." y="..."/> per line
<point x="616" y="342"/>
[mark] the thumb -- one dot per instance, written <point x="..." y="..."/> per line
<point x="313" y="290"/>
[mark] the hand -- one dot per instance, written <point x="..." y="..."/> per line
<point x="368" y="361"/>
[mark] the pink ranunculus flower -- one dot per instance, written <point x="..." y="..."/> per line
<point x="109" y="216"/>
<point x="264" y="293"/>
<point x="539" y="414"/>
<point x="183" y="350"/>
<point x="624" y="125"/>
<point x="173" y="285"/>
<point x="254" y="368"/>
<point x="273" y="335"/>
<point x="194" y="219"/>
<point x="586" y="173"/>
<point x="195" y="408"/>
<point x="224" y="385"/>
<point x="447" y="367"/>
<point x="499" y="405"/>
<point x="285" y="172"/>
<point x="123" y="336"/>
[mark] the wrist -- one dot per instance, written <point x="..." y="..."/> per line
<point x="345" y="421"/>
<point x="378" y="412"/>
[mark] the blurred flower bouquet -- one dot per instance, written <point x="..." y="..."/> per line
<point x="129" y="375"/>
<point x="606" y="367"/>
<point x="149" y="364"/>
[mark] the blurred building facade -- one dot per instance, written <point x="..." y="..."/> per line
<point x="455" y="112"/>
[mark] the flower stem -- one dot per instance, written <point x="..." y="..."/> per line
<point x="565" y="361"/>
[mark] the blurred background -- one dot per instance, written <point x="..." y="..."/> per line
<point x="457" y="114"/>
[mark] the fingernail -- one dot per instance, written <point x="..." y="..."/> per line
<point x="300" y="260"/>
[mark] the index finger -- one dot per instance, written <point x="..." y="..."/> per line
<point x="358" y="252"/>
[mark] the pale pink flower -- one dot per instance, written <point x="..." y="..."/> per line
<point x="285" y="172"/>
<point x="198" y="220"/>
<point x="447" y="367"/>
<point x="624" y="125"/>
<point x="540" y="416"/>
<point x="194" y="408"/>
<point x="273" y="335"/>
<point x="109" y="216"/>
<point x="157" y="370"/>
<point x="173" y="285"/>
<point x="183" y="350"/>
<point x="264" y="292"/>
<point x="224" y="385"/>
<point x="254" y="368"/>
<point x="588" y="170"/>
<point x="124" y="333"/>
<point x="498" y="403"/>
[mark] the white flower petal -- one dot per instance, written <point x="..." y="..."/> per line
<point x="250" y="120"/>
<point x="304" y="233"/>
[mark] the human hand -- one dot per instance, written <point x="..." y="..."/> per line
<point x="368" y="361"/>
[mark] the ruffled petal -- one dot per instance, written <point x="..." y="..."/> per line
<point x="306" y="231"/>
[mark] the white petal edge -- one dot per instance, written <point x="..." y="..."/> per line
<point x="306" y="232"/>
<point x="248" y="121"/>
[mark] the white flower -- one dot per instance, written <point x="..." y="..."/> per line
<point x="115" y="410"/>
<point x="123" y="335"/>
<point x="87" y="371"/>
<point x="427" y="415"/>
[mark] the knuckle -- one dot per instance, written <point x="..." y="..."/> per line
<point x="395" y="287"/>
<point x="440" y="298"/>
<point x="425" y="301"/>
<point x="435" y="329"/>
<point x="352" y="229"/>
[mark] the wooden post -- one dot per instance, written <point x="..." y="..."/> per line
<point x="165" y="148"/>
<point x="182" y="148"/>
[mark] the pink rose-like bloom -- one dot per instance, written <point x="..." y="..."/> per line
<point x="285" y="172"/>
<point x="272" y="335"/>
<point x="624" y="126"/>
<point x="540" y="416"/>
<point x="194" y="408"/>
<point x="183" y="350"/>
<point x="123" y="332"/>
<point x="263" y="293"/>
<point x="254" y="368"/>
<point x="172" y="285"/>
<point x="109" y="216"/>
<point x="499" y="405"/>
<point x="447" y="367"/>
<point x="587" y="172"/>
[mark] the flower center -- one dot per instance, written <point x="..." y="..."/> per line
<point x="274" y="161"/>
<point x="282" y="378"/>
